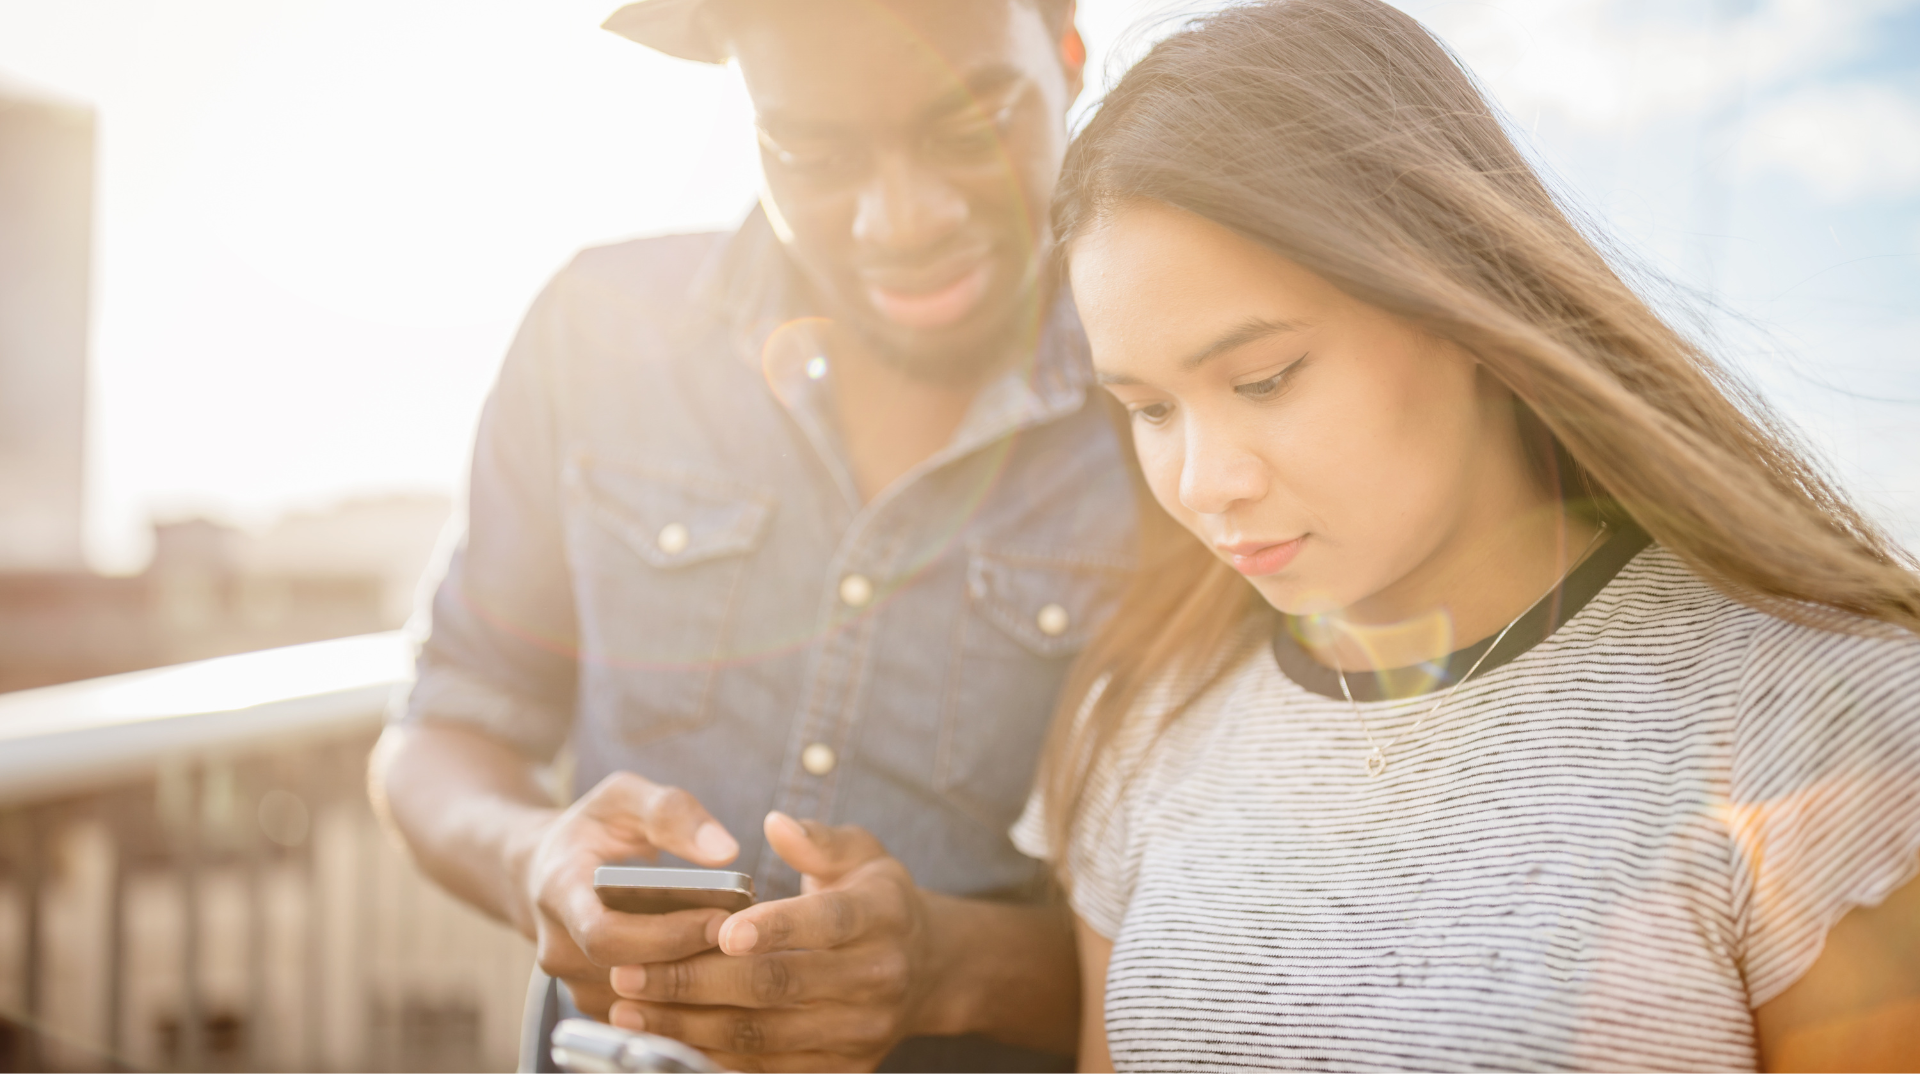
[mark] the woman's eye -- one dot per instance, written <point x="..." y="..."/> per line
<point x="1268" y="388"/>
<point x="1152" y="413"/>
<point x="1260" y="389"/>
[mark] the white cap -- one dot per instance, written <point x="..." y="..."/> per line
<point x="670" y="26"/>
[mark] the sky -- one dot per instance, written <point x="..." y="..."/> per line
<point x="319" y="222"/>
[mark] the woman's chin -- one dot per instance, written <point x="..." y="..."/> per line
<point x="1295" y="596"/>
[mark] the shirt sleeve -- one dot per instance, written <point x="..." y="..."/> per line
<point x="1098" y="862"/>
<point x="1826" y="789"/>
<point x="498" y="654"/>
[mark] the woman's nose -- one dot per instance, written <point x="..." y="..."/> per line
<point x="1218" y="472"/>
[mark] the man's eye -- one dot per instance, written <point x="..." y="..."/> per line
<point x="965" y="143"/>
<point x="1153" y="413"/>
<point x="820" y="161"/>
<point x="813" y="158"/>
<point x="970" y="139"/>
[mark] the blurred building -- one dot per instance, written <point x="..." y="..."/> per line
<point x="191" y="877"/>
<point x="46" y="243"/>
<point x="214" y="589"/>
<point x="388" y="540"/>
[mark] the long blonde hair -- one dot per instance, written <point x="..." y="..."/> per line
<point x="1342" y="136"/>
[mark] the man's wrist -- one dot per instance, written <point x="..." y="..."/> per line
<point x="1003" y="971"/>
<point x="953" y="1002"/>
<point x="522" y="829"/>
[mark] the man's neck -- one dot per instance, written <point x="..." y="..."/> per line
<point x="891" y="421"/>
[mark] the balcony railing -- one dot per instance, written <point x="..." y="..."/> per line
<point x="191" y="879"/>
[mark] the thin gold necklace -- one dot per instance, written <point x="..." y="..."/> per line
<point x="1377" y="751"/>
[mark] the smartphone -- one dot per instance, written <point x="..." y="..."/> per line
<point x="637" y="890"/>
<point x="581" y="1045"/>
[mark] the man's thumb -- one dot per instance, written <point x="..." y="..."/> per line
<point x="819" y="851"/>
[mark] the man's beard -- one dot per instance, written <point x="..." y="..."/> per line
<point x="1008" y="341"/>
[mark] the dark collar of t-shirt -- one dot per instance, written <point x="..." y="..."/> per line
<point x="1539" y="622"/>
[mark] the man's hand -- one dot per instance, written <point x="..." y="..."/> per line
<point x="829" y="980"/>
<point x="578" y="940"/>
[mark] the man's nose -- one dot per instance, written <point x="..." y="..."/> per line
<point x="1217" y="472"/>
<point x="905" y="207"/>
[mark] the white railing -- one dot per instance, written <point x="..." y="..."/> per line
<point x="81" y="735"/>
<point x="190" y="878"/>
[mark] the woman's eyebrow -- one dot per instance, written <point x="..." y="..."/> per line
<point x="1254" y="328"/>
<point x="1247" y="331"/>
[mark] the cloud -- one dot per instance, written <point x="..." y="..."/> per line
<point x="1845" y="141"/>
<point x="1609" y="66"/>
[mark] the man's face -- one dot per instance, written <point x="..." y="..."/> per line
<point x="911" y="149"/>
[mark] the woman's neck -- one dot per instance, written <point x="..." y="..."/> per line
<point x="1481" y="578"/>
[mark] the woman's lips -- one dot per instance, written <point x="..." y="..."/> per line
<point x="938" y="308"/>
<point x="1254" y="559"/>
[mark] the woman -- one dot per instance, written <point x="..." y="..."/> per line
<point x="1571" y="719"/>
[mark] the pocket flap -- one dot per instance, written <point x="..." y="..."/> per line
<point x="1050" y="604"/>
<point x="673" y="519"/>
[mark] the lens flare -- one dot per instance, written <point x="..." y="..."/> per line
<point x="1432" y="632"/>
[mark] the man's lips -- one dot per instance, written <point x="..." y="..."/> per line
<point x="945" y="303"/>
<point x="1257" y="558"/>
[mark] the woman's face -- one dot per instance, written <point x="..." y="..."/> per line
<point x="1323" y="448"/>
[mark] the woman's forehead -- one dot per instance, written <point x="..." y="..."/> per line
<point x="1155" y="281"/>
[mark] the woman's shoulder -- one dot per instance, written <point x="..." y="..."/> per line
<point x="1806" y="690"/>
<point x="1178" y="718"/>
<point x="1816" y="691"/>
<point x="1659" y="599"/>
<point x="1658" y="593"/>
<point x="1193" y="698"/>
<point x="1659" y="590"/>
<point x="1784" y="681"/>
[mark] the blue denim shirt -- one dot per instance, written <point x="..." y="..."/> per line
<point x="667" y="564"/>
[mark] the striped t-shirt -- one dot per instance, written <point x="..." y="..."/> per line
<point x="1603" y="854"/>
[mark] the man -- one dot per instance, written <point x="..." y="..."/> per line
<point x="789" y="529"/>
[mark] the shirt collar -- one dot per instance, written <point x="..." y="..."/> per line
<point x="1050" y="385"/>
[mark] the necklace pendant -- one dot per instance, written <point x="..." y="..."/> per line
<point x="1376" y="763"/>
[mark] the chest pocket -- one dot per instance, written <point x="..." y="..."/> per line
<point x="1027" y="615"/>
<point x="659" y="559"/>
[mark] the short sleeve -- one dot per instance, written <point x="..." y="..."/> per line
<point x="1145" y="759"/>
<point x="1029" y="833"/>
<point x="497" y="652"/>
<point x="1096" y="863"/>
<point x="1825" y="789"/>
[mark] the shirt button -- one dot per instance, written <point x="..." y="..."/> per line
<point x="1053" y="620"/>
<point x="673" y="538"/>
<point x="818" y="759"/>
<point x="855" y="592"/>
